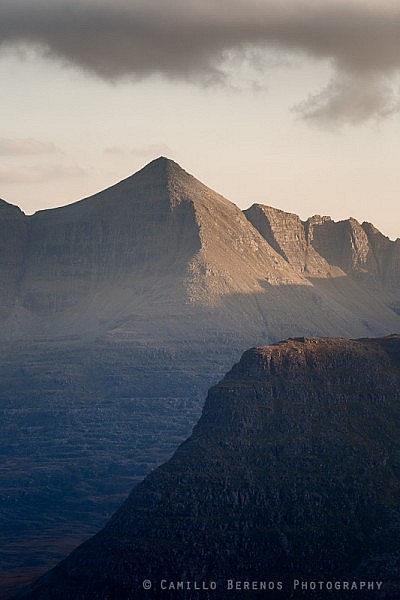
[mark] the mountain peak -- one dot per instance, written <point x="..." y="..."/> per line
<point x="161" y="166"/>
<point x="162" y="162"/>
<point x="162" y="174"/>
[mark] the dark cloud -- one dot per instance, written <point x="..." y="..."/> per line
<point x="352" y="98"/>
<point x="190" y="40"/>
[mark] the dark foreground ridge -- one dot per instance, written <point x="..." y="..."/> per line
<point x="292" y="473"/>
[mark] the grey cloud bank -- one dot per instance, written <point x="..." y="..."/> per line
<point x="189" y="41"/>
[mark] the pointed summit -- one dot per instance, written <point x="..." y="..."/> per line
<point x="166" y="177"/>
<point x="162" y="163"/>
<point x="148" y="186"/>
<point x="160" y="167"/>
<point x="160" y="171"/>
<point x="160" y="185"/>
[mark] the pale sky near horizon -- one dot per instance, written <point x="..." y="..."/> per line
<point x="294" y="105"/>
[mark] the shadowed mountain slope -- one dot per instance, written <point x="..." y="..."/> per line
<point x="149" y="244"/>
<point x="13" y="240"/>
<point x="292" y="472"/>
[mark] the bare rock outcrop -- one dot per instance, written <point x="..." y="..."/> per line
<point x="344" y="244"/>
<point x="292" y="472"/>
<point x="387" y="255"/>
<point x="292" y="239"/>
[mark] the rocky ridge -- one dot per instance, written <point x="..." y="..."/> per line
<point x="321" y="247"/>
<point x="160" y="244"/>
<point x="292" y="472"/>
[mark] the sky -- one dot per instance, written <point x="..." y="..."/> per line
<point x="293" y="104"/>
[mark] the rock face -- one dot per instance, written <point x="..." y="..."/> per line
<point x="387" y="256"/>
<point x="292" y="472"/>
<point x="13" y="241"/>
<point x="106" y="254"/>
<point x="119" y="311"/>
<point x="160" y="246"/>
<point x="291" y="238"/>
<point x="320" y="247"/>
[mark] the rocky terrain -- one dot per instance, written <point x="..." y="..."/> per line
<point x="119" y="311"/>
<point x="291" y="474"/>
<point x="162" y="247"/>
